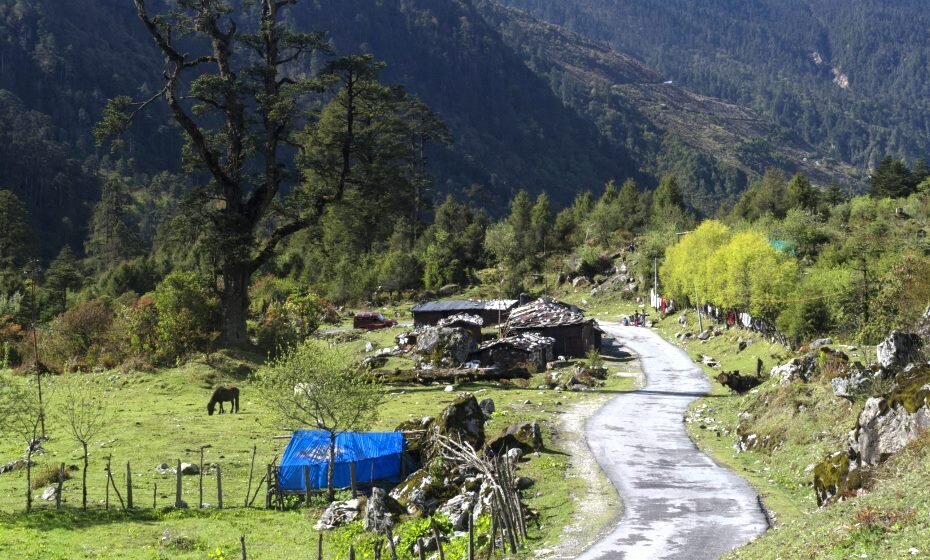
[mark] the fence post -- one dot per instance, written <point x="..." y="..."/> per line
<point x="242" y="545"/>
<point x="248" y="490"/>
<point x="177" y="491"/>
<point x="390" y="539"/>
<point x="306" y="486"/>
<point x="107" y="487"/>
<point x="61" y="481"/>
<point x="420" y="552"/>
<point x="200" y="470"/>
<point x="128" y="485"/>
<point x="471" y="534"/>
<point x="268" y="488"/>
<point x="432" y="522"/>
<point x="352" y="480"/>
<point x="219" y="487"/>
<point x="351" y="552"/>
<point x="319" y="547"/>
<point x="155" y="496"/>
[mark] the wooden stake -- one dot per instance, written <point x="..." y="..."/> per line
<point x="128" y="485"/>
<point x="471" y="534"/>
<point x="306" y="486"/>
<point x="248" y="490"/>
<point x="352" y="479"/>
<point x="61" y="481"/>
<point x="155" y="497"/>
<point x="390" y="539"/>
<point x="420" y="547"/>
<point x="376" y="549"/>
<point x="268" y="489"/>
<point x="242" y="544"/>
<point x="200" y="494"/>
<point x="319" y="547"/>
<point x="432" y="522"/>
<point x="177" y="492"/>
<point x="112" y="481"/>
<point x="351" y="552"/>
<point x="219" y="487"/>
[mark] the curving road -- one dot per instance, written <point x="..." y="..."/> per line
<point x="678" y="503"/>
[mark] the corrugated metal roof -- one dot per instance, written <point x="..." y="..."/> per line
<point x="463" y="305"/>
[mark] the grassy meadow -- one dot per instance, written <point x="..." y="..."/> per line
<point x="160" y="417"/>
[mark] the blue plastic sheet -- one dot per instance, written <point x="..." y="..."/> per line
<point x="377" y="456"/>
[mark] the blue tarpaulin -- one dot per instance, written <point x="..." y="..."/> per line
<point x="377" y="456"/>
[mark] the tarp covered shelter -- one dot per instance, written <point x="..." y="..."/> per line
<point x="377" y="456"/>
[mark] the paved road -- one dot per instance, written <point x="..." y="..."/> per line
<point x="678" y="503"/>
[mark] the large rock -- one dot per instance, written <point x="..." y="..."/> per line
<point x="899" y="350"/>
<point x="189" y="468"/>
<point x="462" y="421"/>
<point x="445" y="347"/>
<point x="458" y="508"/>
<point x="820" y="342"/>
<point x="857" y="381"/>
<point x="380" y="510"/>
<point x="338" y="514"/>
<point x="487" y="405"/>
<point x="15" y="465"/>
<point x="421" y="493"/>
<point x="49" y="494"/>
<point x="525" y="436"/>
<point x="833" y="478"/>
<point x="798" y="369"/>
<point x="886" y="427"/>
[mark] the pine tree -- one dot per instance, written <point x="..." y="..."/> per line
<point x="113" y="235"/>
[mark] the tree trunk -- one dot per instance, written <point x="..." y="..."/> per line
<point x="84" y="480"/>
<point x="235" y="304"/>
<point x="330" y="492"/>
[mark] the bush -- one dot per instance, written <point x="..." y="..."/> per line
<point x="84" y="337"/>
<point x="288" y="323"/>
<point x="49" y="476"/>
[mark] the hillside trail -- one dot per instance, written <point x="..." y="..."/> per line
<point x="677" y="502"/>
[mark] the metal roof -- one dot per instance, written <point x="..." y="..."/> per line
<point x="527" y="342"/>
<point x="463" y="305"/>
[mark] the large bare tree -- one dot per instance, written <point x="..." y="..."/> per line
<point x="234" y="84"/>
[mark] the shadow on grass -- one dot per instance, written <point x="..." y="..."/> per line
<point x="69" y="519"/>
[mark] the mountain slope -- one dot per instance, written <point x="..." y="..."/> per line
<point x="849" y="77"/>
<point x="669" y="125"/>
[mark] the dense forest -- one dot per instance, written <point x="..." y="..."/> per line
<point x="849" y="77"/>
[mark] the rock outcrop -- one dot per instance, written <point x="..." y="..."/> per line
<point x="525" y="436"/>
<point x="445" y="346"/>
<point x="338" y="514"/>
<point x="899" y="350"/>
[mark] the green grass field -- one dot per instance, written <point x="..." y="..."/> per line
<point x="160" y="417"/>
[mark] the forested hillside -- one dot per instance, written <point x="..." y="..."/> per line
<point x="849" y="77"/>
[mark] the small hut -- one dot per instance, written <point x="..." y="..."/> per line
<point x="574" y="334"/>
<point x="524" y="349"/>
<point x="377" y="456"/>
<point x="493" y="312"/>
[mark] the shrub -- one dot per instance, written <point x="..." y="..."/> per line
<point x="290" y="322"/>
<point x="49" y="476"/>
<point x="187" y="314"/>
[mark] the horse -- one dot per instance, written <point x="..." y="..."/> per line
<point x="221" y="395"/>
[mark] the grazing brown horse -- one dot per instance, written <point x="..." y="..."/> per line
<point x="224" y="394"/>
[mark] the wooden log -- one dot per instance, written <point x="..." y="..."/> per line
<point x="248" y="490"/>
<point x="177" y="490"/>
<point x="306" y="486"/>
<point x="219" y="487"/>
<point x="128" y="485"/>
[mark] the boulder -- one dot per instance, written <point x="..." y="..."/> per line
<point x="524" y="482"/>
<point x="421" y="493"/>
<point x="463" y="421"/>
<point x="487" y="405"/>
<point x="899" y="350"/>
<point x="705" y="334"/>
<point x="446" y="346"/>
<point x="338" y="514"/>
<point x="525" y="436"/>
<point x="798" y="369"/>
<point x="49" y="493"/>
<point x="380" y="510"/>
<point x="886" y="427"/>
<point x="857" y="381"/>
<point x="820" y="342"/>
<point x="581" y="282"/>
<point x="188" y="468"/>
<point x="832" y="478"/>
<point x="458" y="509"/>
